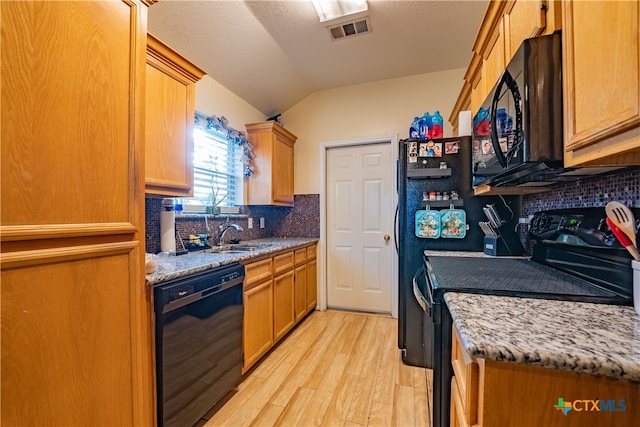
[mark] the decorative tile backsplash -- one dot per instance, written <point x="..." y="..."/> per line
<point x="596" y="191"/>
<point x="303" y="220"/>
<point x="592" y="192"/>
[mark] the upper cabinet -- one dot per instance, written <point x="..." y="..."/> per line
<point x="272" y="181"/>
<point x="169" y="116"/>
<point x="601" y="82"/>
<point x="506" y="24"/>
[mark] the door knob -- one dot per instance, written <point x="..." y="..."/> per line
<point x="386" y="237"/>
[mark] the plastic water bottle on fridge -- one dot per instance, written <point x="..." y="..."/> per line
<point x="413" y="130"/>
<point x="425" y="125"/>
<point x="436" y="126"/>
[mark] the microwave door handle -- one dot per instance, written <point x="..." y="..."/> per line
<point x="507" y="79"/>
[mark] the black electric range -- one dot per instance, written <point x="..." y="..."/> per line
<point x="575" y="257"/>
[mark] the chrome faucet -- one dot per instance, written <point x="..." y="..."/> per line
<point x="223" y="228"/>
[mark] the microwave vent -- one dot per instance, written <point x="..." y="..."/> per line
<point x="350" y="29"/>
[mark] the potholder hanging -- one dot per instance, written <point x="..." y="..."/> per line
<point x="453" y="223"/>
<point x="428" y="224"/>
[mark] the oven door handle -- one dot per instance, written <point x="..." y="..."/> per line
<point x="422" y="301"/>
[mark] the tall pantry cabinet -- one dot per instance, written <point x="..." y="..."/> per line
<point x="75" y="337"/>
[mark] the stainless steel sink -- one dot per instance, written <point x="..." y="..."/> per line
<point x="238" y="248"/>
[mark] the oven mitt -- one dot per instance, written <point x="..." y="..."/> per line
<point x="428" y="224"/>
<point x="453" y="223"/>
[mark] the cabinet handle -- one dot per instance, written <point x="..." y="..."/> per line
<point x="386" y="237"/>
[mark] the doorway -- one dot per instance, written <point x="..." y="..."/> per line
<point x="357" y="225"/>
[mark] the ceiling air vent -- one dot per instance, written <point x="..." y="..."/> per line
<point x="350" y="29"/>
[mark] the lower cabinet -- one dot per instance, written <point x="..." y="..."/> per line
<point x="283" y="309"/>
<point x="278" y="292"/>
<point x="489" y="393"/>
<point x="312" y="284"/>
<point x="300" y="279"/>
<point x="257" y="334"/>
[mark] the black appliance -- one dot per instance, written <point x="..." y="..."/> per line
<point x="419" y="172"/>
<point x="518" y="131"/>
<point x="575" y="257"/>
<point x="198" y="323"/>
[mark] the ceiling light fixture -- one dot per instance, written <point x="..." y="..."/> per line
<point x="328" y="10"/>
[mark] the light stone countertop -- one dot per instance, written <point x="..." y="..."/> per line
<point x="596" y="339"/>
<point x="172" y="267"/>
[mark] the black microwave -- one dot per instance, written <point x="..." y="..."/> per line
<point x="517" y="132"/>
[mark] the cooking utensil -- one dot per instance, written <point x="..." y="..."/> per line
<point x="487" y="229"/>
<point x="624" y="219"/>
<point x="624" y="240"/>
<point x="493" y="216"/>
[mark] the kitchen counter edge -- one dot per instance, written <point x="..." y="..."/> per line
<point x="174" y="267"/>
<point x="597" y="339"/>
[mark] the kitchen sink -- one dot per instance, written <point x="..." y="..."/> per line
<point x="238" y="248"/>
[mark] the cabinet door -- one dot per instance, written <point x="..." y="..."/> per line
<point x="525" y="20"/>
<point x="312" y="288"/>
<point x="601" y="82"/>
<point x="300" y="291"/>
<point x="494" y="63"/>
<point x="283" y="171"/>
<point x="283" y="304"/>
<point x="76" y="319"/>
<point x="169" y="115"/>
<point x="258" y="323"/>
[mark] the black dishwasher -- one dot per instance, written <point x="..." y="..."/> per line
<point x="198" y="321"/>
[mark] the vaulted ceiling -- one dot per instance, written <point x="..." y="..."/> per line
<point x="275" y="53"/>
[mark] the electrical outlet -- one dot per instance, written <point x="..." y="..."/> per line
<point x="250" y="223"/>
<point x="261" y="222"/>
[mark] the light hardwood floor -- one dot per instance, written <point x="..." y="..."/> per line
<point x="335" y="369"/>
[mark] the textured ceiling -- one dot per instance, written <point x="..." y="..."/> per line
<point x="275" y="53"/>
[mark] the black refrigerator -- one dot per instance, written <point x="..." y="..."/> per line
<point x="427" y="169"/>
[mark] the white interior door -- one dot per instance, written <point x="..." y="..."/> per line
<point x="359" y="223"/>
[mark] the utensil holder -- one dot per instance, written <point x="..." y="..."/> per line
<point x="636" y="285"/>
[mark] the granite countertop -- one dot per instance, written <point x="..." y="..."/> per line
<point x="597" y="339"/>
<point x="172" y="267"/>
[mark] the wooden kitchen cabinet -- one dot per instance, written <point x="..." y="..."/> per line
<point x="283" y="304"/>
<point x="257" y="334"/>
<point x="601" y="82"/>
<point x="300" y="280"/>
<point x="277" y="295"/>
<point x="505" y="25"/>
<point x="480" y="388"/>
<point x="76" y="342"/>
<point x="258" y="322"/>
<point x="272" y="180"/>
<point x="283" y="294"/>
<point x="169" y="116"/>
<point x="312" y="278"/>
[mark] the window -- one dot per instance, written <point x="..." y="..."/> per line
<point x="217" y="167"/>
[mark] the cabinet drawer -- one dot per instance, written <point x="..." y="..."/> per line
<point x="257" y="272"/>
<point x="282" y="263"/>
<point x="311" y="251"/>
<point x="466" y="372"/>
<point x="300" y="255"/>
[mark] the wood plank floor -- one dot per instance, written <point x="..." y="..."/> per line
<point x="335" y="369"/>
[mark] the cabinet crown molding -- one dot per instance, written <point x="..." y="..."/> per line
<point x="172" y="59"/>
<point x="271" y="126"/>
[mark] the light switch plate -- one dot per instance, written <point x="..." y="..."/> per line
<point x="261" y="222"/>
<point x="250" y="223"/>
